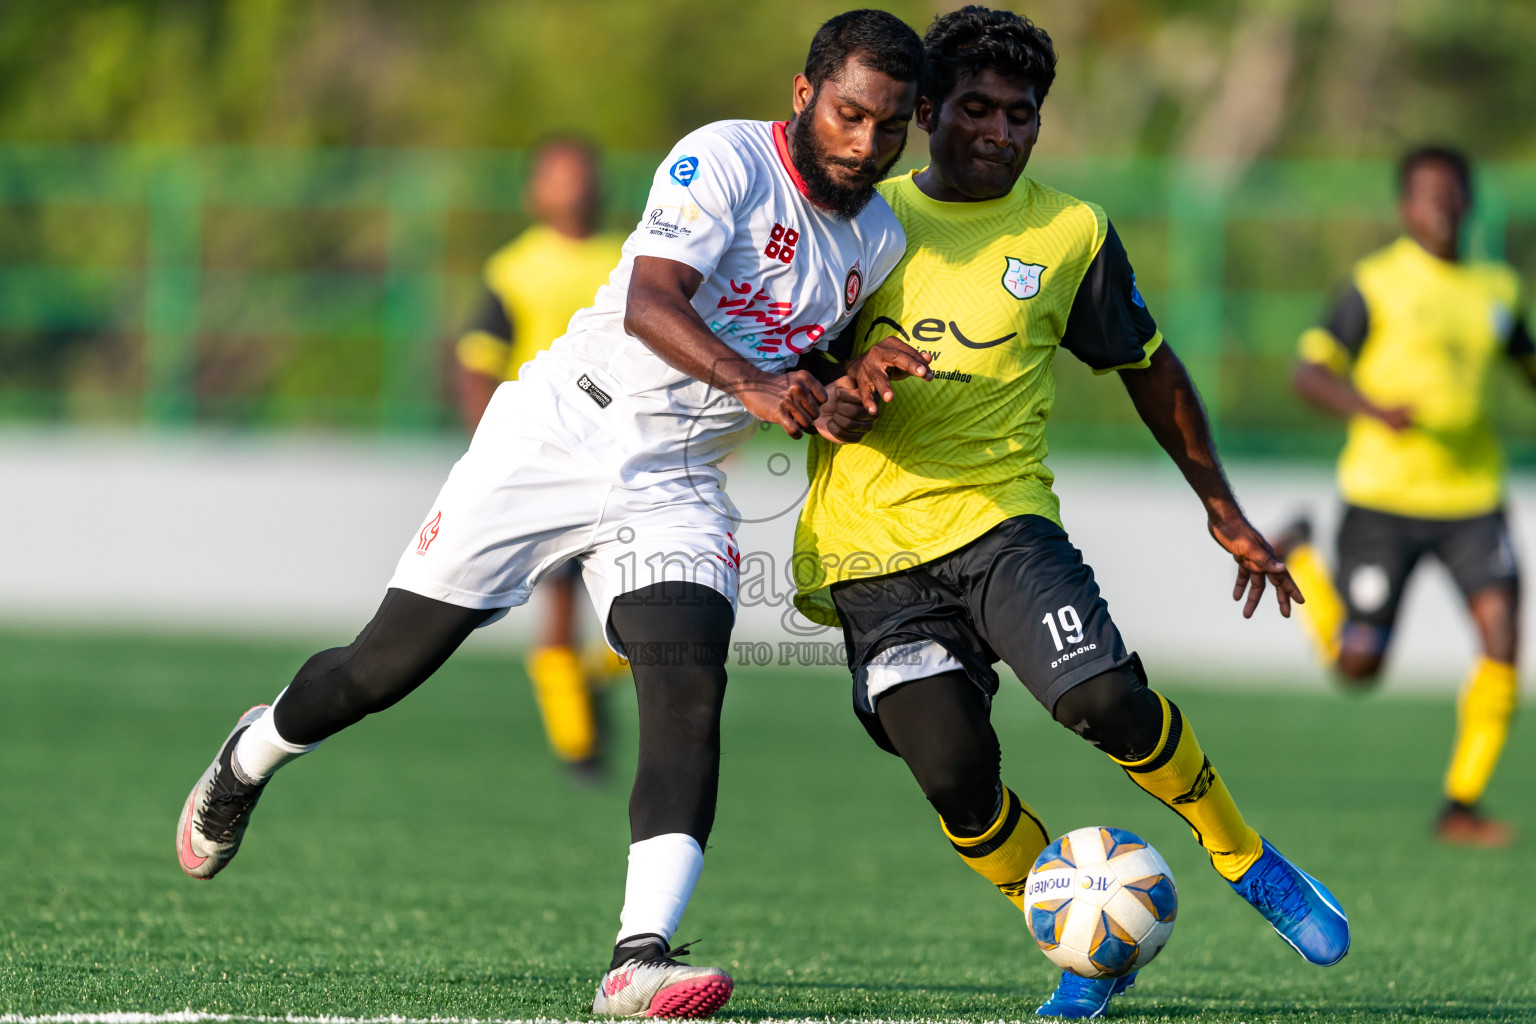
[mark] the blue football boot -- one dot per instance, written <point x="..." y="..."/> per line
<point x="1080" y="997"/>
<point x="1304" y="913"/>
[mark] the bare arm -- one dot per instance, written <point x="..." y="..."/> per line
<point x="660" y="312"/>
<point x="1327" y="351"/>
<point x="474" y="393"/>
<point x="482" y="354"/>
<point x="1169" y="405"/>
<point x="1323" y="389"/>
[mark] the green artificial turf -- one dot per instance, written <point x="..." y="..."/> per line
<point x="434" y="862"/>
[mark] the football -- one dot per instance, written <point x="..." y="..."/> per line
<point x="1101" y="902"/>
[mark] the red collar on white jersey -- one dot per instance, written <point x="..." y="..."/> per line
<point x="781" y="142"/>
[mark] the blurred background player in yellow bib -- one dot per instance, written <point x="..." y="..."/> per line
<point x="533" y="285"/>
<point x="1405" y="356"/>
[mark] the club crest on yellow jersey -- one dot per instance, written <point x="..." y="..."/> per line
<point x="1022" y="279"/>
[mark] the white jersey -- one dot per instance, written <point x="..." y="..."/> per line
<point x="602" y="453"/>
<point x="781" y="276"/>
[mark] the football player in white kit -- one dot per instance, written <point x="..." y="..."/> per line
<point x="758" y="243"/>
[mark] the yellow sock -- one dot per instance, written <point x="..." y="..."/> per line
<point x="1483" y="711"/>
<point x="602" y="666"/>
<point x="1323" y="614"/>
<point x="1179" y="774"/>
<point x="564" y="702"/>
<point x="1004" y="853"/>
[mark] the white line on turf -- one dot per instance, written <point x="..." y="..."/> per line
<point x="196" y="1017"/>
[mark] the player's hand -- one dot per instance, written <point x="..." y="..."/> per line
<point x="890" y="359"/>
<point x="844" y="419"/>
<point x="792" y="400"/>
<point x="1399" y="417"/>
<point x="1257" y="565"/>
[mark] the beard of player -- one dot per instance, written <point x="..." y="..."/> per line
<point x="813" y="162"/>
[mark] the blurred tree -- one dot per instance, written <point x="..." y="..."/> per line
<point x="292" y="302"/>
<point x="1251" y="78"/>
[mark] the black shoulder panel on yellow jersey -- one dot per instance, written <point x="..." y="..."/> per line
<point x="1520" y="344"/>
<point x="1350" y="320"/>
<point x="1109" y="324"/>
<point x="492" y="317"/>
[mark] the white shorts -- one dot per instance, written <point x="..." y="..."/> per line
<point x="543" y="482"/>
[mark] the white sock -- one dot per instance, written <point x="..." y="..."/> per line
<point x="260" y="751"/>
<point x="662" y="873"/>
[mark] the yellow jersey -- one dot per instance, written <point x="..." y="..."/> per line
<point x="1415" y="331"/>
<point x="534" y="285"/>
<point x="989" y="290"/>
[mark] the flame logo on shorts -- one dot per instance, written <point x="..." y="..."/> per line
<point x="428" y="534"/>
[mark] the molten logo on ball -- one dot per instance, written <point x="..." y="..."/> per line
<point x="1101" y="902"/>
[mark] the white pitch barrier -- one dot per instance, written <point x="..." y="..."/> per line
<point x="297" y="536"/>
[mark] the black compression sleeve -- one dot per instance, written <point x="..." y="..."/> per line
<point x="941" y="727"/>
<point x="409" y="638"/>
<point x="677" y="637"/>
<point x="1116" y="712"/>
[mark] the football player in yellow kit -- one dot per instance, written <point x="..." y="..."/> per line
<point x="936" y="541"/>
<point x="1405" y="357"/>
<point x="532" y="287"/>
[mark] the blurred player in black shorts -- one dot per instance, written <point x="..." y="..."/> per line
<point x="936" y="541"/>
<point x="1405" y="356"/>
<point x="533" y="286"/>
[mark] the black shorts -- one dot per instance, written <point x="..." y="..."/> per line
<point x="1019" y="593"/>
<point x="1378" y="552"/>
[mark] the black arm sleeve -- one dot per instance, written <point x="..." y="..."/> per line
<point x="1350" y="321"/>
<point x="1520" y="345"/>
<point x="492" y="317"/>
<point x="1109" y="325"/>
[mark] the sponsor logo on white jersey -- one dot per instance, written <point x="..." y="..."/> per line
<point x="683" y="171"/>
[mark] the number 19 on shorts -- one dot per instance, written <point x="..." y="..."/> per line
<point x="1067" y="634"/>
<point x="1071" y="625"/>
